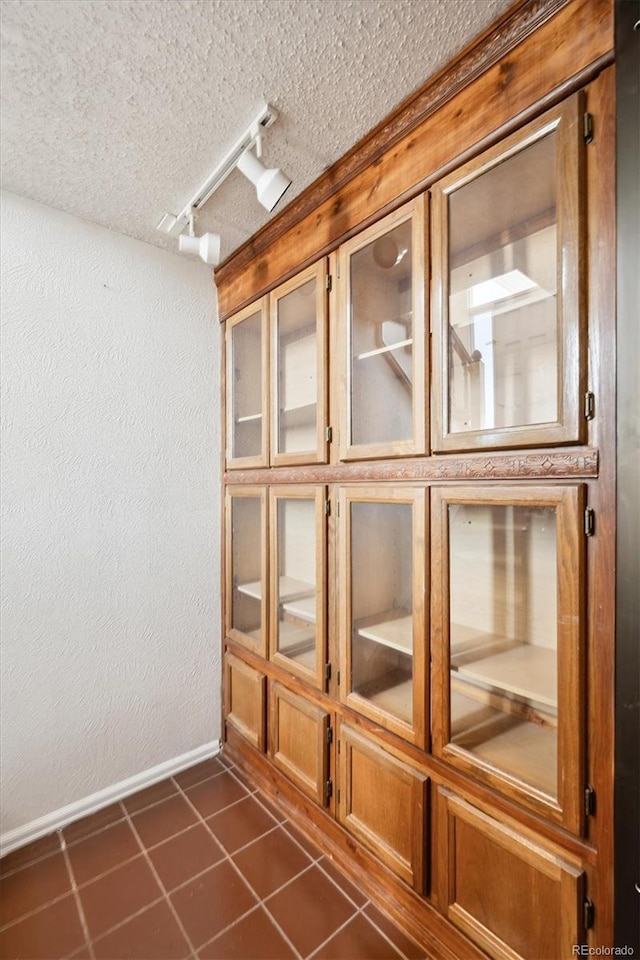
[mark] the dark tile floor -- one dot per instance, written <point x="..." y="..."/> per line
<point x="201" y="865"/>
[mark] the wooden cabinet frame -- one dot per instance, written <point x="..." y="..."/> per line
<point x="318" y="495"/>
<point x="408" y="828"/>
<point x="261" y="459"/>
<point x="417" y="212"/>
<point x="317" y="272"/>
<point x="569" y="501"/>
<point x="477" y="108"/>
<point x="283" y="734"/>
<point x="536" y="861"/>
<point x="416" y="498"/>
<point x="245" y="710"/>
<point x="570" y="427"/>
<point x="260" y="494"/>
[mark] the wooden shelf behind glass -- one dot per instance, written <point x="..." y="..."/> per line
<point x="524" y="670"/>
<point x="392" y="629"/>
<point x="303" y="608"/>
<point x="386" y="349"/>
<point x="393" y="694"/>
<point x="297" y="643"/>
<point x="526" y="750"/>
<point x="249" y="418"/>
<point x="288" y="589"/>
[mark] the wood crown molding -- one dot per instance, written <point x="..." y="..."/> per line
<point x="498" y="40"/>
<point x="558" y="465"/>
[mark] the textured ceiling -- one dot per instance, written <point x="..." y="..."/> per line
<point x="116" y="110"/>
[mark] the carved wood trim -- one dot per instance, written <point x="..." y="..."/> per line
<point x="563" y="464"/>
<point x="500" y="38"/>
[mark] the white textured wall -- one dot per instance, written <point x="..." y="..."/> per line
<point x="110" y="659"/>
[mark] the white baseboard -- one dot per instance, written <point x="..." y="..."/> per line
<point x="57" y="819"/>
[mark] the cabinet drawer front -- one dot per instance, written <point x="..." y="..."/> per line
<point x="298" y="741"/>
<point x="245" y="700"/>
<point x="523" y="903"/>
<point x="382" y="801"/>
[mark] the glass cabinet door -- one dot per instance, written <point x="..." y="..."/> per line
<point x="298" y="365"/>
<point x="507" y="579"/>
<point x="298" y="581"/>
<point x="383" y="612"/>
<point x="382" y="274"/>
<point x="246" y="560"/>
<point x="247" y="387"/>
<point x="507" y="325"/>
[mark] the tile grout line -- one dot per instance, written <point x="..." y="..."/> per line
<point x="31" y="913"/>
<point x="338" y="887"/>
<point x="151" y="865"/>
<point x="30" y="863"/>
<point x="227" y="856"/>
<point x="76" y="895"/>
<point x="262" y="903"/>
<point x="132" y="916"/>
<point x="315" y="861"/>
<point x="342" y="926"/>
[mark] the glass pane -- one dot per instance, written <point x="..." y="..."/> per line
<point x="246" y="387"/>
<point x="296" y="584"/>
<point x="382" y="606"/>
<point x="382" y="339"/>
<point x="297" y="366"/>
<point x="503" y="318"/>
<point x="246" y="551"/>
<point x="503" y="638"/>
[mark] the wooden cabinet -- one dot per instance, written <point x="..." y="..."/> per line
<point x="298" y="582"/>
<point x="420" y="521"/>
<point x="299" y="400"/>
<point x="509" y="640"/>
<point x="512" y="896"/>
<point x="247" y="379"/>
<point x="383" y="802"/>
<point x="382" y="337"/>
<point x="245" y="700"/>
<point x="247" y="569"/>
<point x="383" y="618"/>
<point x="276" y="376"/>
<point x="508" y="315"/>
<point x="299" y="742"/>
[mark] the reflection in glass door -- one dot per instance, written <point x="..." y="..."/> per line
<point x="384" y="636"/>
<point x="298" y="589"/>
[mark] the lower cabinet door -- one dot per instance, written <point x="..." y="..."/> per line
<point x="245" y="700"/>
<point x="515" y="899"/>
<point x="299" y="742"/>
<point x="383" y="802"/>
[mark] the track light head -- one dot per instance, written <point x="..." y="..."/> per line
<point x="207" y="247"/>
<point x="271" y="184"/>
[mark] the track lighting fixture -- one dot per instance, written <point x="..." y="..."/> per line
<point x="270" y="184"/>
<point x="207" y="247"/>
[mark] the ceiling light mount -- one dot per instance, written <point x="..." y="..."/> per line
<point x="268" y="182"/>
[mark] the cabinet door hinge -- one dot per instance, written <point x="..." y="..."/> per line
<point x="327" y="508"/>
<point x="328" y="790"/>
<point x="589" y="405"/>
<point x="587" y="913"/>
<point x="589" y="801"/>
<point x="328" y="434"/>
<point x="327" y="671"/>
<point x="589" y="522"/>
<point x="329" y="735"/>
<point x="328" y="283"/>
<point x="587" y="127"/>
